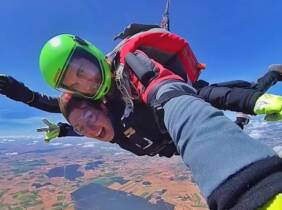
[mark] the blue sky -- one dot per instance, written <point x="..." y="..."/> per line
<point x="236" y="39"/>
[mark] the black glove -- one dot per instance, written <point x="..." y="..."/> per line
<point x="15" y="90"/>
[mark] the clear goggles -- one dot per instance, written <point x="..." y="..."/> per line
<point x="82" y="75"/>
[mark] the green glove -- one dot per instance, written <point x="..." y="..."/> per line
<point x="268" y="104"/>
<point x="51" y="132"/>
<point x="274" y="204"/>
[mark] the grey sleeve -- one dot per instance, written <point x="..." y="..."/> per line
<point x="208" y="142"/>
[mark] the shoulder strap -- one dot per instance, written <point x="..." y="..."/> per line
<point x="142" y="67"/>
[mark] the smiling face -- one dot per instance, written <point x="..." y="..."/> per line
<point x="82" y="76"/>
<point x="92" y="122"/>
<point x="88" y="119"/>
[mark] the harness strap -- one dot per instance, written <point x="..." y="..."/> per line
<point x="143" y="68"/>
<point x="158" y="110"/>
<point x="122" y="82"/>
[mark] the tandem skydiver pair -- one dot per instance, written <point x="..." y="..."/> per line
<point x="174" y="108"/>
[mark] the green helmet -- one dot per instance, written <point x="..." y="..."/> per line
<point x="58" y="53"/>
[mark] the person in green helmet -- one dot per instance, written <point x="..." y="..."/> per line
<point x="70" y="63"/>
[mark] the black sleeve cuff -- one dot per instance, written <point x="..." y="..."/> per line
<point x="250" y="188"/>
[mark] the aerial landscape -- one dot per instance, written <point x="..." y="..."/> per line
<point x="84" y="174"/>
<point x="79" y="173"/>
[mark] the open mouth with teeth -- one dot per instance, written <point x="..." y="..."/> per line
<point x="100" y="133"/>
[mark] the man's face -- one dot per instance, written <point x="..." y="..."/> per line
<point x="92" y="122"/>
<point x="82" y="76"/>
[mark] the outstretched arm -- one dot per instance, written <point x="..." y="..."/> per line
<point x="223" y="159"/>
<point x="54" y="130"/>
<point x="239" y="95"/>
<point x="67" y="130"/>
<point x="17" y="91"/>
<point x="236" y="99"/>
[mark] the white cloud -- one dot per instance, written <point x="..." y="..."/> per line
<point x="33" y="143"/>
<point x="67" y="145"/>
<point x="88" y="144"/>
<point x="11" y="153"/>
<point x="278" y="150"/>
<point x="256" y="134"/>
<point x="121" y="153"/>
<point x="56" y="144"/>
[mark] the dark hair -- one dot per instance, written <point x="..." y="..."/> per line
<point x="68" y="102"/>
